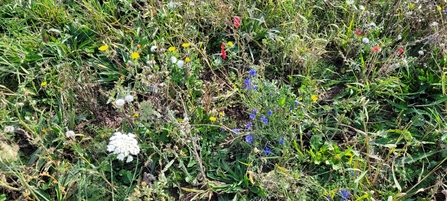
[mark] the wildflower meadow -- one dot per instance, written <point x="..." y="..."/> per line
<point x="286" y="100"/>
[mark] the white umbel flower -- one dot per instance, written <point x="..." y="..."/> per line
<point x="420" y="52"/>
<point x="129" y="98"/>
<point x="154" y="48"/>
<point x="120" y="102"/>
<point x="173" y="60"/>
<point x="180" y="63"/>
<point x="70" y="134"/>
<point x="124" y="145"/>
<point x="365" y="40"/>
<point x="9" y="129"/>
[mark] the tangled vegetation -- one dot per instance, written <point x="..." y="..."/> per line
<point x="223" y="100"/>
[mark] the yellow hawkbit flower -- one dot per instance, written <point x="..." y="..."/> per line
<point x="135" y="55"/>
<point x="221" y="114"/>
<point x="136" y="115"/>
<point x="213" y="119"/>
<point x="103" y="48"/>
<point x="230" y="44"/>
<point x="44" y="131"/>
<point x="186" y="45"/>
<point x="187" y="59"/>
<point x="43" y="84"/>
<point x="314" y="97"/>
<point x="171" y="49"/>
<point x="439" y="8"/>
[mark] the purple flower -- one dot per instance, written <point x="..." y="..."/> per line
<point x="267" y="151"/>
<point x="281" y="141"/>
<point x="255" y="87"/>
<point x="255" y="110"/>
<point x="247" y="83"/>
<point x="249" y="125"/>
<point x="235" y="130"/>
<point x="252" y="72"/>
<point x="252" y="116"/>
<point x="296" y="103"/>
<point x="264" y="119"/>
<point x="344" y="194"/>
<point x="291" y="108"/>
<point x="249" y="138"/>
<point x="269" y="113"/>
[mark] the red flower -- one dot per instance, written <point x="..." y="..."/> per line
<point x="375" y="48"/>
<point x="359" y="33"/>
<point x="237" y="21"/>
<point x="400" y="50"/>
<point x="222" y="50"/>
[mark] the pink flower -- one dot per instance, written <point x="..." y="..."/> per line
<point x="375" y="48"/>
<point x="237" y="21"/>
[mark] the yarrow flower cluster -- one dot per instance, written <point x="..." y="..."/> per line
<point x="9" y="129"/>
<point x="70" y="134"/>
<point x="120" y="102"/>
<point x="124" y="145"/>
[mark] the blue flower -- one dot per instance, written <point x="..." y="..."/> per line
<point x="252" y="116"/>
<point x="247" y="83"/>
<point x="255" y="110"/>
<point x="248" y="126"/>
<point x="344" y="194"/>
<point x="264" y="119"/>
<point x="296" y="103"/>
<point x="281" y="141"/>
<point x="269" y="113"/>
<point x="267" y="151"/>
<point x="235" y="130"/>
<point x="252" y="72"/>
<point x="255" y="87"/>
<point x="249" y="138"/>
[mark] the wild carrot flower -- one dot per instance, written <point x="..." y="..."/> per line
<point x="420" y="52"/>
<point x="103" y="48"/>
<point x="154" y="48"/>
<point x="249" y="138"/>
<point x="264" y="119"/>
<point x="135" y="55"/>
<point x="237" y="21"/>
<point x="70" y="134"/>
<point x="267" y="151"/>
<point x="120" y="102"/>
<point x="375" y="48"/>
<point x="128" y="98"/>
<point x="365" y="40"/>
<point x="173" y="59"/>
<point x="252" y="72"/>
<point x="123" y="145"/>
<point x="9" y="129"/>
<point x="180" y="63"/>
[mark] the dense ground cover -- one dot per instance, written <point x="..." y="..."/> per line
<point x="223" y="100"/>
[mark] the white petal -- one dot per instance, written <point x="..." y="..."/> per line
<point x="120" y="157"/>
<point x="129" y="159"/>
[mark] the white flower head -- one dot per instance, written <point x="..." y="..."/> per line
<point x="150" y="62"/>
<point x="120" y="102"/>
<point x="361" y="7"/>
<point x="365" y="40"/>
<point x="128" y="98"/>
<point x="154" y="48"/>
<point x="124" y="145"/>
<point x="173" y="60"/>
<point x="180" y="63"/>
<point x="9" y="129"/>
<point x="172" y="5"/>
<point x="420" y="52"/>
<point x="70" y="134"/>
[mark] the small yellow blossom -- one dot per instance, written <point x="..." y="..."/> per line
<point x="122" y="77"/>
<point x="314" y="97"/>
<point x="143" y="184"/>
<point x="135" y="55"/>
<point x="44" y="131"/>
<point x="213" y="119"/>
<point x="171" y="49"/>
<point x="221" y="114"/>
<point x="256" y="150"/>
<point x="187" y="59"/>
<point x="103" y="48"/>
<point x="439" y="8"/>
<point x="136" y="115"/>
<point x="230" y="44"/>
<point x="186" y="45"/>
<point x="43" y="84"/>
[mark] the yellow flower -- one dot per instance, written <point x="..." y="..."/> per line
<point x="43" y="84"/>
<point x="314" y="97"/>
<point x="256" y="150"/>
<point x="171" y="49"/>
<point x="136" y="115"/>
<point x="103" y="48"/>
<point x="186" y="45"/>
<point x="213" y="119"/>
<point x="230" y="44"/>
<point x="221" y="113"/>
<point x="187" y="59"/>
<point x="135" y="55"/>
<point x="439" y="8"/>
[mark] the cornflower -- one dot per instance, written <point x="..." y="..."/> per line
<point x="235" y="130"/>
<point x="252" y="116"/>
<point x="269" y="112"/>
<point x="252" y="72"/>
<point x="247" y="83"/>
<point x="344" y="194"/>
<point x="264" y="119"/>
<point x="248" y="126"/>
<point x="255" y="110"/>
<point x="281" y="141"/>
<point x="267" y="151"/>
<point x="249" y="138"/>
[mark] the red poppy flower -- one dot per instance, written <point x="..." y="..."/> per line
<point x="222" y="50"/>
<point x="237" y="21"/>
<point x="375" y="48"/>
<point x="400" y="51"/>
<point x="359" y="33"/>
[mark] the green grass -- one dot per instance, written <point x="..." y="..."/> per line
<point x="324" y="116"/>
